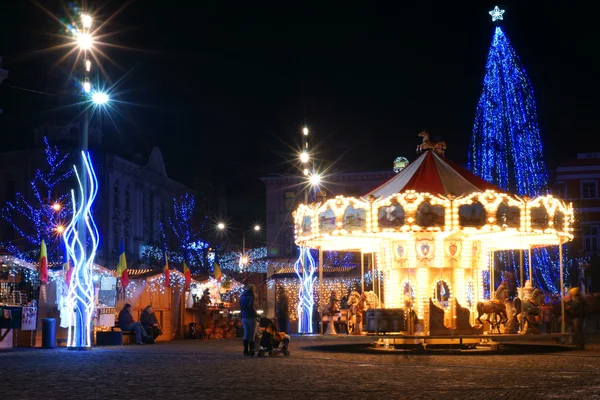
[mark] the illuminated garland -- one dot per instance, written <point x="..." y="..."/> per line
<point x="291" y="286"/>
<point x="506" y="147"/>
<point x="42" y="219"/>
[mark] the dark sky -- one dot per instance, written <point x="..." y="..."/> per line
<point x="225" y="87"/>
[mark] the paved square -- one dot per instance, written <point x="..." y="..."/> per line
<point x="217" y="370"/>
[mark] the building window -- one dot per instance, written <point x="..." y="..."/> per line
<point x="589" y="189"/>
<point x="127" y="199"/>
<point x="288" y="200"/>
<point x="590" y="238"/>
<point x="116" y="199"/>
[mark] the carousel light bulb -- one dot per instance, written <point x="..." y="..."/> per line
<point x="87" y="87"/>
<point x="257" y="228"/>
<point x="60" y="229"/>
<point x="56" y="206"/>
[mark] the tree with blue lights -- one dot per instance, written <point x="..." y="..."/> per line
<point x="506" y="146"/>
<point x="44" y="215"/>
<point x="187" y="234"/>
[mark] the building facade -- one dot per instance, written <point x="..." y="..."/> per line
<point x="577" y="181"/>
<point x="134" y="198"/>
<point x="284" y="193"/>
<point x="3" y="76"/>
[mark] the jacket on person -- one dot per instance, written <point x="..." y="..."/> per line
<point x="247" y="309"/>
<point x="148" y="319"/>
<point x="125" y="317"/>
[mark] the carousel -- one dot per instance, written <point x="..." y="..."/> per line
<point x="431" y="231"/>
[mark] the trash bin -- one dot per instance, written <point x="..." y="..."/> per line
<point x="48" y="333"/>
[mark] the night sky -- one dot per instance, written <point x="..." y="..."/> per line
<point x="224" y="88"/>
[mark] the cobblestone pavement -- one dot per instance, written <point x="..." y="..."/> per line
<point x="317" y="369"/>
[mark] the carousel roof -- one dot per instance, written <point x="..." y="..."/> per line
<point x="431" y="173"/>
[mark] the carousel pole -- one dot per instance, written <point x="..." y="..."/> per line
<point x="522" y="294"/>
<point x="362" y="271"/>
<point x="562" y="288"/>
<point x="320" y="287"/>
<point x="530" y="266"/>
<point x="492" y="285"/>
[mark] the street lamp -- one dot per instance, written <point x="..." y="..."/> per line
<point x="244" y="258"/>
<point x="81" y="235"/>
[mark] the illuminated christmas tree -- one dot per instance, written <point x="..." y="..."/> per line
<point x="42" y="216"/>
<point x="506" y="147"/>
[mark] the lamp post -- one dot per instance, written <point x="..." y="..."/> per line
<point x="244" y="259"/>
<point x="81" y="235"/>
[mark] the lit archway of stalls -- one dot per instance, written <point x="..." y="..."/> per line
<point x="425" y="238"/>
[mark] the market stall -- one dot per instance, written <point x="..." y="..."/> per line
<point x="19" y="292"/>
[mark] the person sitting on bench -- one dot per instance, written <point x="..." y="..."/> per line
<point x="150" y="322"/>
<point x="126" y="323"/>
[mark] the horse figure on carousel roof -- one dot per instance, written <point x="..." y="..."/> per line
<point x="438" y="146"/>
<point x="494" y="308"/>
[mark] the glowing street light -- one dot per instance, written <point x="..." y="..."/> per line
<point x="100" y="98"/>
<point x="315" y="179"/>
<point x="86" y="20"/>
<point x="84" y="40"/>
<point x="56" y="207"/>
<point x="304" y="156"/>
<point x="87" y="86"/>
<point x="60" y="229"/>
<point x="305" y="131"/>
<point x="221" y="226"/>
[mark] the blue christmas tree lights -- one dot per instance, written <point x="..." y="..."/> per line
<point x="43" y="215"/>
<point x="506" y="146"/>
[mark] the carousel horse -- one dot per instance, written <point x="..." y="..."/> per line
<point x="331" y="309"/>
<point x="359" y="304"/>
<point x="494" y="308"/>
<point x="531" y="314"/>
<point x="439" y="147"/>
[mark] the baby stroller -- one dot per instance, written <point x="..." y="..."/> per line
<point x="270" y="339"/>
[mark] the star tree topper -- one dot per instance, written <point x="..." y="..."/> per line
<point x="496" y="13"/>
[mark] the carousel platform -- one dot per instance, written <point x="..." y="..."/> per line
<point x="391" y="341"/>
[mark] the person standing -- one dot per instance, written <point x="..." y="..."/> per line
<point x="126" y="323"/>
<point x="574" y="309"/>
<point x="249" y="316"/>
<point x="283" y="311"/>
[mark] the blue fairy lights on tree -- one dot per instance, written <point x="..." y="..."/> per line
<point x="45" y="214"/>
<point x="506" y="146"/>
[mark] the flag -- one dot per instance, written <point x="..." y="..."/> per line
<point x="122" y="266"/>
<point x="67" y="268"/>
<point x="167" y="272"/>
<point x="68" y="272"/>
<point x="187" y="273"/>
<point x="43" y="268"/>
<point x="218" y="273"/>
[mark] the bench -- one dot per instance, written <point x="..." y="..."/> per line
<point x="117" y="329"/>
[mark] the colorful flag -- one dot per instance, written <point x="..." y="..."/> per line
<point x="43" y="268"/>
<point x="122" y="266"/>
<point x="218" y="273"/>
<point x="67" y="268"/>
<point x="167" y="272"/>
<point x="187" y="273"/>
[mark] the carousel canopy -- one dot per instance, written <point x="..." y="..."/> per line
<point x="430" y="173"/>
